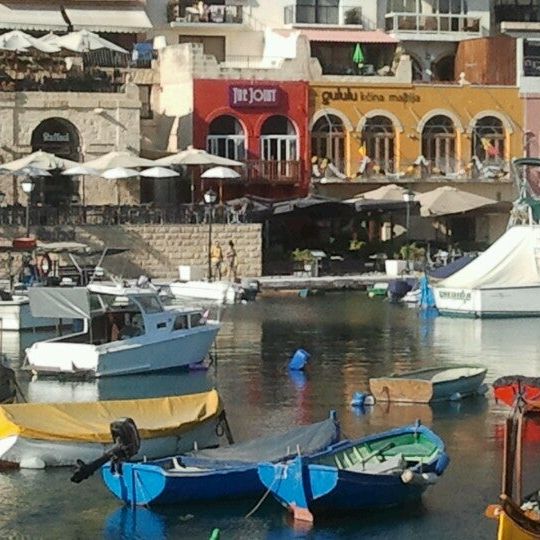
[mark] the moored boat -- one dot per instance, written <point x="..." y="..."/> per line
<point x="379" y="471"/>
<point x="213" y="474"/>
<point x="430" y="384"/>
<point x="37" y="435"/>
<point x="125" y="331"/>
<point x="510" y="388"/>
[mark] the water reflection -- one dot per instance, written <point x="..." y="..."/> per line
<point x="173" y="383"/>
<point x="134" y="523"/>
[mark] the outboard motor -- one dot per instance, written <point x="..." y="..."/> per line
<point x="127" y="443"/>
<point x="250" y="289"/>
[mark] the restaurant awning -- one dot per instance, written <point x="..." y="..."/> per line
<point x="35" y="17"/>
<point x="348" y="36"/>
<point x="109" y="20"/>
<point x="31" y="17"/>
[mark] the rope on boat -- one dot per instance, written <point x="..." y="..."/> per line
<point x="262" y="499"/>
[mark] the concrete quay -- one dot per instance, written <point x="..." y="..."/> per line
<point x="327" y="283"/>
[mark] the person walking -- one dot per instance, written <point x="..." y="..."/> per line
<point x="231" y="257"/>
<point x="216" y="256"/>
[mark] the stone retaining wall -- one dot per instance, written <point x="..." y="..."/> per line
<point x="158" y="250"/>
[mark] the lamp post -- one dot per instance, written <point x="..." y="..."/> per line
<point x="27" y="186"/>
<point x="408" y="197"/>
<point x="210" y="198"/>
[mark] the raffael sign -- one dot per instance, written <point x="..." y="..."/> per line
<point x="254" y="96"/>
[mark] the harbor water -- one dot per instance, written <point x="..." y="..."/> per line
<point x="350" y="338"/>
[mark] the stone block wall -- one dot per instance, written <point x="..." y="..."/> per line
<point x="157" y="250"/>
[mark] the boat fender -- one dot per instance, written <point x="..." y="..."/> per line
<point x="456" y="396"/>
<point x="299" y="360"/>
<point x="418" y="479"/>
<point x="32" y="463"/>
<point x="361" y="399"/>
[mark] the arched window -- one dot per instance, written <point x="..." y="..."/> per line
<point x="279" y="148"/>
<point x="379" y="137"/>
<point x="328" y="140"/>
<point x="443" y="69"/>
<point x="488" y="139"/>
<point x="60" y="137"/>
<point x="226" y="138"/>
<point x="438" y="143"/>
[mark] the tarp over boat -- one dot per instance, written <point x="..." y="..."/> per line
<point x="512" y="260"/>
<point x="308" y="438"/>
<point x="90" y="422"/>
<point x="59" y="302"/>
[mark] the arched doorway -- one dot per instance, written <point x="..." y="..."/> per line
<point x="438" y="143"/>
<point x="443" y="69"/>
<point x="226" y="138"/>
<point x="279" y="148"/>
<point x="328" y="140"/>
<point x="60" y="137"/>
<point x="378" y="136"/>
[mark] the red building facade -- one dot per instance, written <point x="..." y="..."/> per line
<point x="261" y="123"/>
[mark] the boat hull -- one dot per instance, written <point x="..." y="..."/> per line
<point x="217" y="291"/>
<point x="137" y="355"/>
<point x="500" y="302"/>
<point x="422" y="386"/>
<point x="23" y="452"/>
<point x="141" y="484"/>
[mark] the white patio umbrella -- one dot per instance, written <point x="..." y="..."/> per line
<point x="159" y="172"/>
<point x="31" y="171"/>
<point x="389" y="192"/>
<point x="448" y="200"/>
<point x="118" y="159"/>
<point x="41" y="160"/>
<point x="81" y="41"/>
<point x="119" y="173"/>
<point x="196" y="156"/>
<point x="221" y="173"/>
<point x="81" y="170"/>
<point x="18" y="41"/>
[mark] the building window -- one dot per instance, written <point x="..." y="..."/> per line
<point x="328" y="140"/>
<point x="378" y="137"/>
<point x="226" y="138"/>
<point x="438" y="144"/>
<point x="516" y="11"/>
<point x="488" y="139"/>
<point x="212" y="45"/>
<point x="279" y="148"/>
<point x="315" y="11"/>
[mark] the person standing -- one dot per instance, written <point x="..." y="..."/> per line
<point x="216" y="256"/>
<point x="231" y="257"/>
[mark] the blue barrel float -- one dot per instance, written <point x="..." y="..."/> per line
<point x="299" y="360"/>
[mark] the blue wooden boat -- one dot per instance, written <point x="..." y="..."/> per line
<point x="213" y="474"/>
<point x="382" y="470"/>
<point x="430" y="384"/>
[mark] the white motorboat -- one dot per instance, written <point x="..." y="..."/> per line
<point x="220" y="292"/>
<point x="503" y="281"/>
<point x="125" y="331"/>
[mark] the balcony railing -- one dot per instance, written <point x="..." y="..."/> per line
<point x="273" y="172"/>
<point x="333" y="15"/>
<point x="436" y="23"/>
<point x="209" y="13"/>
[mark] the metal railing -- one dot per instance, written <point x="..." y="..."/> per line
<point x="334" y="15"/>
<point x="436" y="23"/>
<point x="73" y="215"/>
<point x="259" y="171"/>
<point x="210" y="13"/>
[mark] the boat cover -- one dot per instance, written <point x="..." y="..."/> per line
<point x="509" y="380"/>
<point x="510" y="261"/>
<point x="446" y="271"/>
<point x="308" y="439"/>
<point x="59" y="302"/>
<point x="89" y="422"/>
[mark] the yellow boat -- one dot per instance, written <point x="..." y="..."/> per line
<point x="38" y="435"/>
<point x="516" y="521"/>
